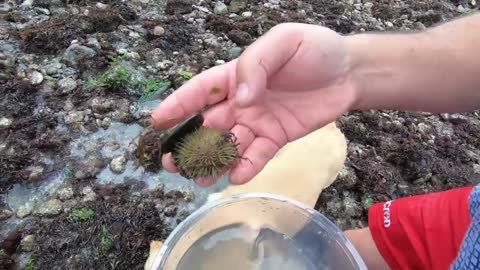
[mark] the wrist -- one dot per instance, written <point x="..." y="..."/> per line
<point x="383" y="68"/>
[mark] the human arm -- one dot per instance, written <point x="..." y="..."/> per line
<point x="436" y="70"/>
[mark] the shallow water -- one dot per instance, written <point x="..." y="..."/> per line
<point x="20" y="194"/>
<point x="118" y="139"/>
<point x="241" y="248"/>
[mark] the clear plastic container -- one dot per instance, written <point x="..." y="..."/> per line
<point x="257" y="231"/>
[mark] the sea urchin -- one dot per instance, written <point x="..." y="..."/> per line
<point x="205" y="152"/>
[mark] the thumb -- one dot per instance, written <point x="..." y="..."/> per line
<point x="263" y="58"/>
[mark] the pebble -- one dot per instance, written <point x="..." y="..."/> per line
<point x="133" y="34"/>
<point x="247" y="14"/>
<point x="101" y="5"/>
<point x="189" y="196"/>
<point x="74" y="117"/>
<point x="101" y="104"/>
<point x="220" y="8"/>
<point x="236" y="6"/>
<point x="389" y="24"/>
<point x="106" y="122"/>
<point x="117" y="165"/>
<point x="50" y="208"/>
<point x="235" y="52"/>
<point x="89" y="194"/>
<point x="27" y="243"/>
<point x="420" y="26"/>
<point x="219" y="62"/>
<point x="348" y="177"/>
<point x="65" y="193"/>
<point x="52" y="68"/>
<point x="352" y="208"/>
<point x="5" y="122"/>
<point x="27" y="3"/>
<point x="212" y="42"/>
<point x="67" y="85"/>
<point x="158" y="30"/>
<point x="76" y="52"/>
<point x="36" y="173"/>
<point x="36" y="78"/>
<point x="5" y="214"/>
<point x="25" y="210"/>
<point x="367" y="202"/>
<point x="4" y="8"/>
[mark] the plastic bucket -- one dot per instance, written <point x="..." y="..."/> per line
<point x="257" y="231"/>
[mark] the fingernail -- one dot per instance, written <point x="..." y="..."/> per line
<point x="243" y="94"/>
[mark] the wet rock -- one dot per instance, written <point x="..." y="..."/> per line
<point x="5" y="214"/>
<point x="124" y="117"/>
<point x="170" y="210"/>
<point x="334" y="206"/>
<point x="106" y="122"/>
<point x="74" y="117"/>
<point x="6" y="262"/>
<point x="158" y="31"/>
<point x="25" y="210"/>
<point x="50" y="208"/>
<point x="212" y="42"/>
<point x="36" y="78"/>
<point x="10" y="242"/>
<point x="236" y="6"/>
<point x="101" y="5"/>
<point x="351" y="207"/>
<point x="4" y="8"/>
<point x="367" y="202"/>
<point x="88" y="194"/>
<point x="68" y="205"/>
<point x="220" y="8"/>
<point x="347" y="177"/>
<point x="189" y="196"/>
<point x="5" y="122"/>
<point x="178" y="7"/>
<point x="423" y="128"/>
<point x="67" y="85"/>
<point x="241" y="38"/>
<point x="27" y="242"/>
<point x="90" y="168"/>
<point x="52" y="68"/>
<point x="65" y="193"/>
<point x="35" y="173"/>
<point x="126" y="12"/>
<point x="77" y="52"/>
<point x="117" y="165"/>
<point x="101" y="105"/>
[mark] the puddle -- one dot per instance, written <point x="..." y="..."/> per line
<point x="118" y="139"/>
<point x="20" y="194"/>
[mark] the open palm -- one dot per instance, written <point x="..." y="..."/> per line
<point x="286" y="93"/>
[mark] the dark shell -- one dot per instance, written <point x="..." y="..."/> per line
<point x="178" y="133"/>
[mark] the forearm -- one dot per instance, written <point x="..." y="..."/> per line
<point x="437" y="70"/>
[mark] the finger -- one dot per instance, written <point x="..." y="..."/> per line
<point x="220" y="116"/>
<point x="168" y="164"/>
<point x="257" y="155"/>
<point x="258" y="62"/>
<point x="205" y="181"/>
<point x="244" y="136"/>
<point x="206" y="88"/>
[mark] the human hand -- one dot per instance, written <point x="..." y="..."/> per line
<point x="291" y="81"/>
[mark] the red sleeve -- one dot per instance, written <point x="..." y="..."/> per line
<point x="423" y="231"/>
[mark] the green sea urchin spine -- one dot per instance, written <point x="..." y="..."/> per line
<point x="205" y="152"/>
